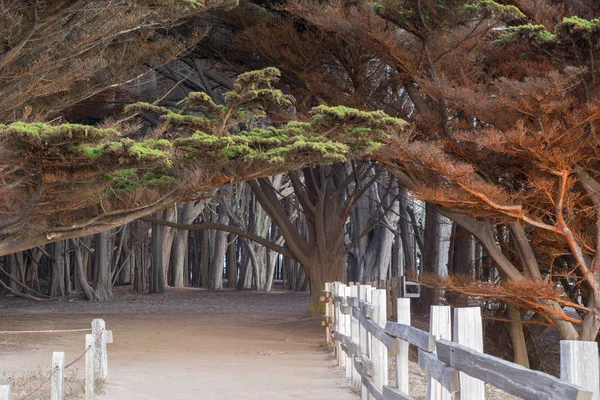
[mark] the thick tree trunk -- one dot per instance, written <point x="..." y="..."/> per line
<point x="220" y="248"/>
<point x="85" y="287"/>
<point x="103" y="283"/>
<point x="406" y="236"/>
<point x="57" y="283"/>
<point x="157" y="283"/>
<point x="518" y="338"/>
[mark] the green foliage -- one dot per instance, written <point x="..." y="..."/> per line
<point x="493" y="9"/>
<point x="223" y="139"/>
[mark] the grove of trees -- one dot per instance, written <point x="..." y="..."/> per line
<point x="179" y="143"/>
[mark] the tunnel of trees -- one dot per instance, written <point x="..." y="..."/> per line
<point x="187" y="143"/>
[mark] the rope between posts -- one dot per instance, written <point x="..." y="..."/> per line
<point x="48" y="331"/>
<point x="55" y="369"/>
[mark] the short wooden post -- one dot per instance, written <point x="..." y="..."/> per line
<point x="380" y="354"/>
<point x="364" y="339"/>
<point x="348" y="333"/>
<point x="579" y="365"/>
<point x="440" y="325"/>
<point x="403" y="317"/>
<point x="355" y="339"/>
<point x="100" y="356"/>
<point x="57" y="388"/>
<point x="468" y="332"/>
<point x="4" y="392"/>
<point x="89" y="367"/>
<point x="336" y="320"/>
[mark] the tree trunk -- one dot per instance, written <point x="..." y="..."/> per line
<point x="57" y="283"/>
<point x="157" y="282"/>
<point x="220" y="248"/>
<point x="103" y="283"/>
<point x="85" y="287"/>
<point x="517" y="337"/>
<point x="231" y="261"/>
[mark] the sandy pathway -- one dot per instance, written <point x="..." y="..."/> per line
<point x="246" y="351"/>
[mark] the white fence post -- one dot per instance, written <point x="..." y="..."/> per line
<point x="403" y="316"/>
<point x="355" y="339"/>
<point x="468" y="332"/>
<point x="348" y="332"/>
<point x="4" y="392"/>
<point x="579" y="365"/>
<point x="89" y="367"/>
<point x="342" y="324"/>
<point x="440" y="326"/>
<point x="100" y="358"/>
<point x="57" y="388"/>
<point x="364" y="339"/>
<point x="380" y="355"/>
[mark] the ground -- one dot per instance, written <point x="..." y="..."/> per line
<point x="185" y="344"/>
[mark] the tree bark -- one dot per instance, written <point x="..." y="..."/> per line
<point x="103" y="283"/>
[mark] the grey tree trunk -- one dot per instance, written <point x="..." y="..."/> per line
<point x="185" y="215"/>
<point x="219" y="250"/>
<point x="57" y="282"/>
<point x="157" y="282"/>
<point x="80" y="276"/>
<point x="103" y="282"/>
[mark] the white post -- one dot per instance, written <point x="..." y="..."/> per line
<point x="380" y="354"/>
<point x="4" y="392"/>
<point x="355" y="339"/>
<point x="342" y="325"/>
<point x="348" y="333"/>
<point x="89" y="367"/>
<point x="440" y="326"/>
<point x="100" y="356"/>
<point x="57" y="388"/>
<point x="403" y="311"/>
<point x="364" y="340"/>
<point x="468" y="332"/>
<point x="579" y="365"/>
<point x="371" y="339"/>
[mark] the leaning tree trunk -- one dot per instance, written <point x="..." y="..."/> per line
<point x="87" y="290"/>
<point x="103" y="283"/>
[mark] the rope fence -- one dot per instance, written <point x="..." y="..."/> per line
<point x="96" y="363"/>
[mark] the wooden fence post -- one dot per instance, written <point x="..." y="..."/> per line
<point x="89" y="367"/>
<point x="468" y="332"/>
<point x="100" y="358"/>
<point x="403" y="317"/>
<point x="57" y="388"/>
<point x="4" y="392"/>
<point x="355" y="339"/>
<point x="335" y="313"/>
<point x="579" y="365"/>
<point x="348" y="333"/>
<point x="440" y="326"/>
<point x="380" y="355"/>
<point x="364" y="339"/>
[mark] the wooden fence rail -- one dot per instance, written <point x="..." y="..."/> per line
<point x="96" y="365"/>
<point x="357" y="326"/>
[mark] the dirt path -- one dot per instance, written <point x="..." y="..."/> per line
<point x="186" y="344"/>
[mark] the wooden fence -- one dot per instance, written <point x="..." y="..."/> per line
<point x="452" y="355"/>
<point x="96" y="365"/>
